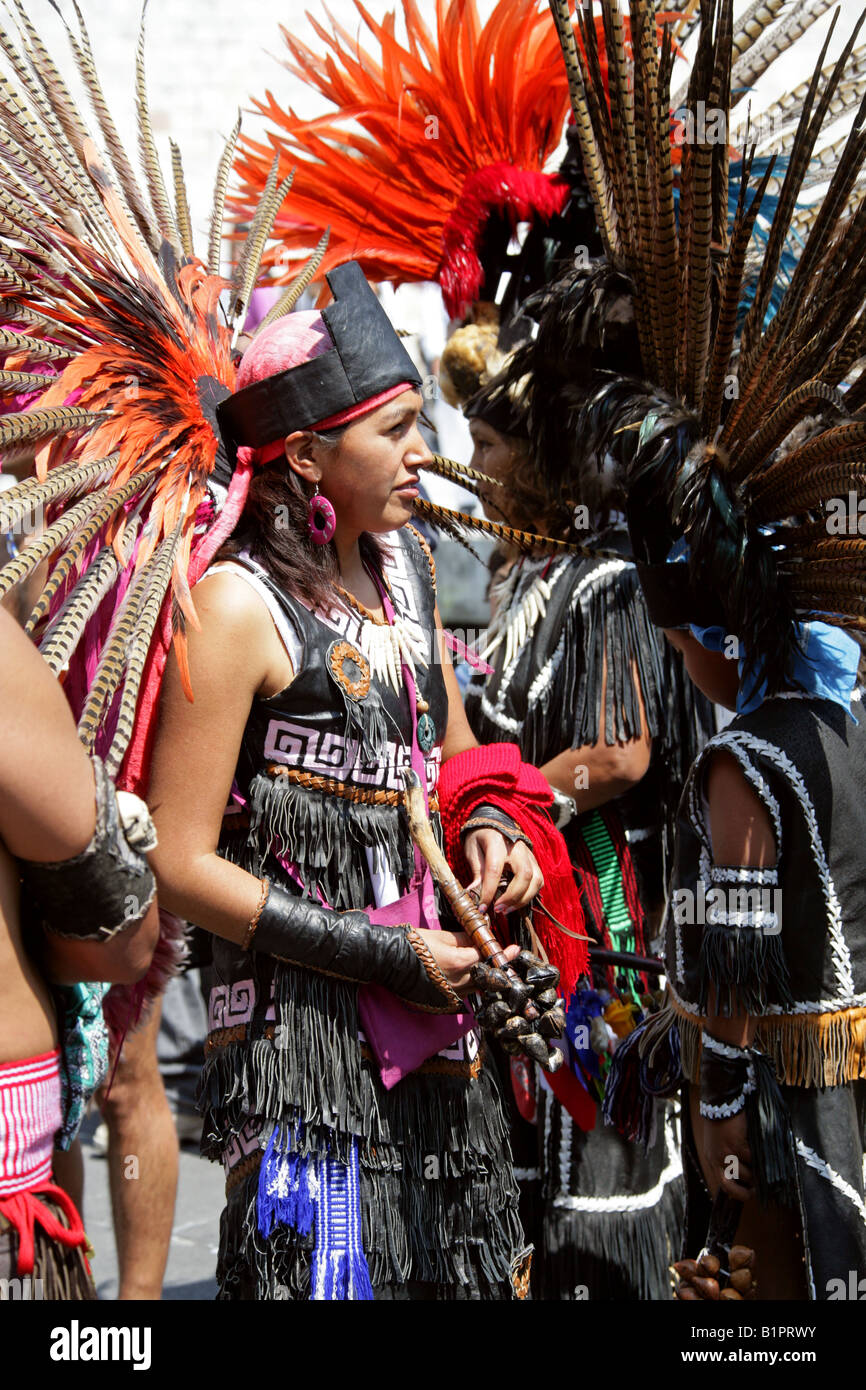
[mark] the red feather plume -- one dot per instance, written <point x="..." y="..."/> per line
<point x="426" y="139"/>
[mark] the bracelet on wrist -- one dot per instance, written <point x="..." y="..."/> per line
<point x="482" y="823"/>
<point x="247" y="942"/>
<point x="485" y="817"/>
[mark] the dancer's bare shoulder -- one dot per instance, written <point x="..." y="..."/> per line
<point x="47" y="808"/>
<point x="237" y="637"/>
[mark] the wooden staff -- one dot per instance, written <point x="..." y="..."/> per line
<point x="476" y="924"/>
<point x="650" y="965"/>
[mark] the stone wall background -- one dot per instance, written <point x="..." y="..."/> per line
<point x="204" y="59"/>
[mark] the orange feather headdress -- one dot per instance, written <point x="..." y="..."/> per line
<point x="435" y="148"/>
<point x="428" y="141"/>
<point x="99" y="278"/>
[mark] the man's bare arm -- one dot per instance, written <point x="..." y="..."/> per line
<point x="47" y="807"/>
<point x="47" y="804"/>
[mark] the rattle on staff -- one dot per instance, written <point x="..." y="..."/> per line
<point x="525" y="1011"/>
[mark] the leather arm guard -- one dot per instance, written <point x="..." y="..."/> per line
<point x="735" y="1079"/>
<point x="106" y="887"/>
<point x="351" y="947"/>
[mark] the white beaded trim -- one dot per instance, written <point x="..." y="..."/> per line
<point x="839" y="950"/>
<point x="730" y="1107"/>
<point x="836" y="1180"/>
<point x="723" y="1049"/>
<point x="762" y="878"/>
<point x="640" y="1201"/>
<point x="765" y="922"/>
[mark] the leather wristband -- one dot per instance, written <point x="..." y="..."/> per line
<point x="350" y="947"/>
<point x="484" y="817"/>
<point x="105" y="888"/>
<point x="727" y="1078"/>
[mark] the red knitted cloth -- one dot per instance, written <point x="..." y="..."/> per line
<point x="496" y="775"/>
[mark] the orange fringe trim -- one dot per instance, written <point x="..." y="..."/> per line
<point x="807" y="1049"/>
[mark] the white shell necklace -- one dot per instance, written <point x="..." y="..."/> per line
<point x="512" y="625"/>
<point x="387" y="645"/>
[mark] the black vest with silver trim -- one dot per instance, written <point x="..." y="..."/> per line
<point x="806" y="760"/>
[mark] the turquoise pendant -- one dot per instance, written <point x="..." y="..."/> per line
<point x="426" y="733"/>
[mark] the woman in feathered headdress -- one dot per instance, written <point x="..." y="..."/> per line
<point x="318" y="676"/>
<point x="585" y="688"/>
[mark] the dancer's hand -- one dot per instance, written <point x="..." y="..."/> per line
<point x="488" y="857"/>
<point x="727" y="1156"/>
<point x="455" y="955"/>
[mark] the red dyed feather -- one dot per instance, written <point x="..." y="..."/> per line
<point x="470" y="116"/>
<point x="425" y="142"/>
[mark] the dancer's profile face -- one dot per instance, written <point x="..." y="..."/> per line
<point x="371" y="475"/>
<point x="493" y="454"/>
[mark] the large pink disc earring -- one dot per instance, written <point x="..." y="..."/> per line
<point x="321" y="519"/>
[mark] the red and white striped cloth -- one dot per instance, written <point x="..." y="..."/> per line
<point x="30" y="1116"/>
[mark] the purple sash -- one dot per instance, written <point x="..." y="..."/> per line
<point x="402" y="1038"/>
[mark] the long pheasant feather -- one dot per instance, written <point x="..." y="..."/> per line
<point x="137" y="655"/>
<point x="44" y="546"/>
<point x="591" y="163"/>
<point x="73" y="553"/>
<point x="250" y="263"/>
<point x="147" y="145"/>
<point x="293" y="292"/>
<point x="83" y="53"/>
<point x="35" y="349"/>
<point x="775" y="42"/>
<point x="113" y="656"/>
<point x="807" y="133"/>
<point x="66" y="629"/>
<point x="37" y="424"/>
<point x="458" y="472"/>
<point x="726" y="325"/>
<point x="11" y="383"/>
<point x="802" y="401"/>
<point x="31" y="495"/>
<point x="218" y="211"/>
<point x="181" y="201"/>
<point x="526" y="541"/>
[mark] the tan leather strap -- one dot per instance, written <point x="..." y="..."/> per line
<point x="367" y="796"/>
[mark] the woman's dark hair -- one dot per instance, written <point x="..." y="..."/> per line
<point x="273" y="531"/>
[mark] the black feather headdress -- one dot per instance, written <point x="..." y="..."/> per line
<point x="739" y="427"/>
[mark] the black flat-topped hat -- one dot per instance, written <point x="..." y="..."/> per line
<point x="366" y="359"/>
